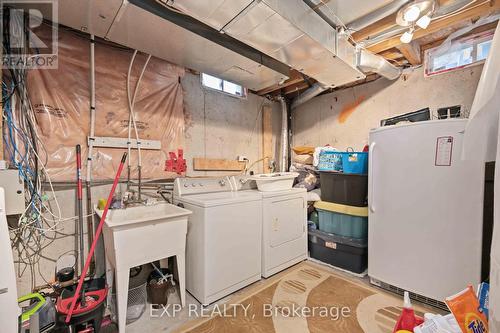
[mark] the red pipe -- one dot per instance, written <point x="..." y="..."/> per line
<point x="96" y="238"/>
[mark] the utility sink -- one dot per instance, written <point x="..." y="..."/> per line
<point x="279" y="181"/>
<point x="139" y="235"/>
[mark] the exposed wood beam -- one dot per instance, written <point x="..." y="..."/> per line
<point x="439" y="41"/>
<point x="391" y="54"/>
<point x="375" y="28"/>
<point x="411" y="52"/>
<point x="296" y="88"/>
<point x="481" y="9"/>
<point x="295" y="77"/>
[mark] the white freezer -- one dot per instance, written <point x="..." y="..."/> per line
<point x="425" y="209"/>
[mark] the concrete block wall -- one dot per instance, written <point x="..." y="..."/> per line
<point x="344" y="118"/>
<point x="222" y="126"/>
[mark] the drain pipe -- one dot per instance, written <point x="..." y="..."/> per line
<point x="307" y="95"/>
<point x="284" y="135"/>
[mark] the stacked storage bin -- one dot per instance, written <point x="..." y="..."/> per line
<point x="342" y="238"/>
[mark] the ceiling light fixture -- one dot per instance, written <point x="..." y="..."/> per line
<point x="424" y="21"/>
<point x="411" y="13"/>
<point x="407" y="36"/>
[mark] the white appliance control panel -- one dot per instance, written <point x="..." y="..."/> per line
<point x="187" y="186"/>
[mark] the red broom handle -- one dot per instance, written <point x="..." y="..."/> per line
<point x="96" y="238"/>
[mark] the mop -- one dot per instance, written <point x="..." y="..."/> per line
<point x="79" y="293"/>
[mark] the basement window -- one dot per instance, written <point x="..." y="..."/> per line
<point x="223" y="86"/>
<point x="463" y="52"/>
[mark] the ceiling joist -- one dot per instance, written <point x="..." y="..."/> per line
<point x="403" y="54"/>
<point x="411" y="52"/>
<point x="482" y="9"/>
<point x="295" y="77"/>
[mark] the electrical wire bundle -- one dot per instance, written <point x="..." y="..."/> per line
<point x="37" y="227"/>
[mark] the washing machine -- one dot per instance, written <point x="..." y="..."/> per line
<point x="224" y="237"/>
<point x="284" y="225"/>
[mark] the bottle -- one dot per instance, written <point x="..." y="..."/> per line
<point x="407" y="320"/>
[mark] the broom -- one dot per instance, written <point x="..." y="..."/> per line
<point x="96" y="238"/>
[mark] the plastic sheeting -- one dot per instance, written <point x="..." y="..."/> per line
<point x="60" y="99"/>
<point x="482" y="141"/>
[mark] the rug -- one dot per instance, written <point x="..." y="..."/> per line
<point x="308" y="298"/>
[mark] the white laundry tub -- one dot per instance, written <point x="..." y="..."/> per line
<point x="278" y="181"/>
<point x="138" y="235"/>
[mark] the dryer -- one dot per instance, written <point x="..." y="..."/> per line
<point x="284" y="225"/>
<point x="223" y="248"/>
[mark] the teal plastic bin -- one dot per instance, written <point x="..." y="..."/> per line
<point x="355" y="162"/>
<point x="341" y="220"/>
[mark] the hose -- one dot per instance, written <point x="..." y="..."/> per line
<point x="132" y="120"/>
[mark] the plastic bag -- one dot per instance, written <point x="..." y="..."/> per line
<point x="60" y="98"/>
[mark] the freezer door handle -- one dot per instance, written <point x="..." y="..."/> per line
<point x="371" y="178"/>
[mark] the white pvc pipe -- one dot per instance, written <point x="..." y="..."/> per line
<point x="131" y="103"/>
<point x="92" y="108"/>
<point x="284" y="136"/>
<point x="132" y="110"/>
<point x="129" y="108"/>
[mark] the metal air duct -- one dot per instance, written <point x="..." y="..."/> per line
<point x="309" y="94"/>
<point x="377" y="15"/>
<point x="369" y="62"/>
<point x="284" y="136"/>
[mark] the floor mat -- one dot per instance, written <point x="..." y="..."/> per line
<point x="308" y="299"/>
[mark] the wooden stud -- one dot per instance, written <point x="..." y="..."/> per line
<point x="267" y="137"/>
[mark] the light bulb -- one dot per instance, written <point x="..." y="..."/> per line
<point x="424" y="21"/>
<point x="411" y="14"/>
<point x="407" y="37"/>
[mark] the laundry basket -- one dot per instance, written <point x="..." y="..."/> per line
<point x="136" y="303"/>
